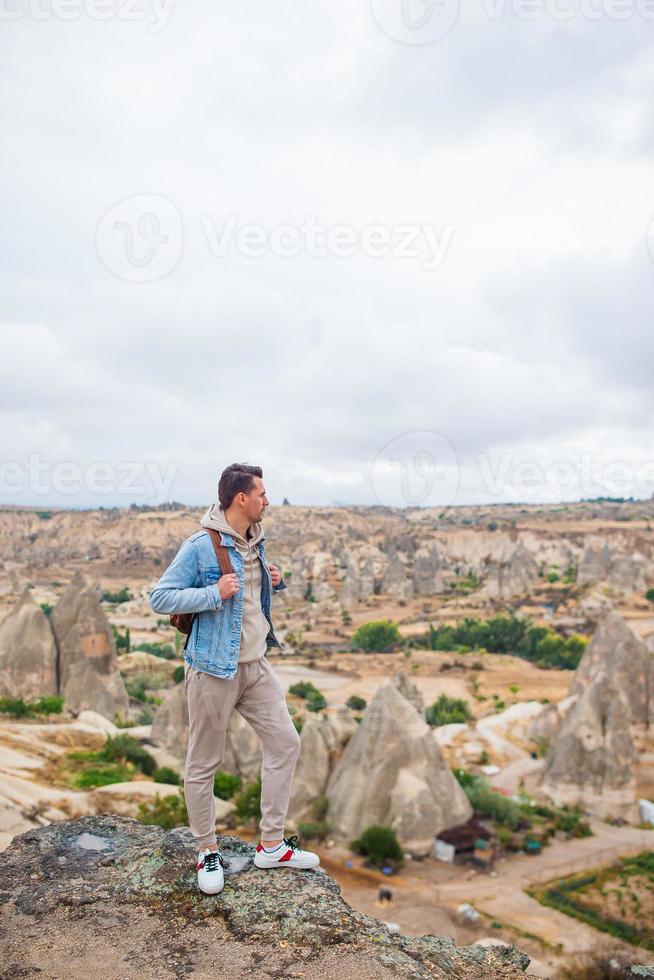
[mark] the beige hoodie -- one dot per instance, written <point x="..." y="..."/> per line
<point x="255" y="627"/>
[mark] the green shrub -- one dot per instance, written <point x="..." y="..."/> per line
<point x="178" y="674"/>
<point x="47" y="608"/>
<point x="319" y="807"/>
<point x="166" y="775"/>
<point x="248" y="801"/>
<point x="103" y="774"/>
<point x="356" y="703"/>
<point x="167" y="812"/>
<point x="378" y="636"/>
<point x="303" y="689"/>
<point x="446" y="711"/>
<point x="45" y="705"/>
<point x="123" y="595"/>
<point x="487" y="803"/>
<point x="49" y="704"/>
<point x="15" y="706"/>
<point x="138" y="686"/>
<point x="649" y="595"/>
<point x="123" y="640"/>
<point x="508" y="634"/>
<point x="164" y="650"/>
<point x="313" y="831"/>
<point x="379" y="844"/>
<point x="225" y="784"/>
<point x="124" y="748"/>
<point x="315" y="699"/>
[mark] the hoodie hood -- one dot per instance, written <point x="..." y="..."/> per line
<point x="214" y="517"/>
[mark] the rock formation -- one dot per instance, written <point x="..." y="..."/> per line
<point x="108" y="896"/>
<point x="616" y="651"/>
<point x="392" y="772"/>
<point x="592" y="757"/>
<point x="242" y="755"/>
<point x="595" y="564"/>
<point x="87" y="665"/>
<point x="321" y="744"/>
<point x="513" y="577"/>
<point x="427" y="572"/>
<point x="548" y="721"/>
<point x="28" y="655"/>
<point x="396" y="578"/>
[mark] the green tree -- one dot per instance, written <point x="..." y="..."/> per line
<point x="446" y="711"/>
<point x="379" y="844"/>
<point x="378" y="636"/>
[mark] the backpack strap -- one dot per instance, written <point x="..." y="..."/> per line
<point x="222" y="554"/>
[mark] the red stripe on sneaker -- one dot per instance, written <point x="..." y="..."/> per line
<point x="287" y="856"/>
<point x="259" y="847"/>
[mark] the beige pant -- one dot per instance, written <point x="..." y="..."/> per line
<point x="257" y="694"/>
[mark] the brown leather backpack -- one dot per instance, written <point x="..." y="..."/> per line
<point x="184" y="621"/>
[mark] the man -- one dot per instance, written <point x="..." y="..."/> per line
<point x="226" y="668"/>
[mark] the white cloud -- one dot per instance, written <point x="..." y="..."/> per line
<point x="531" y="140"/>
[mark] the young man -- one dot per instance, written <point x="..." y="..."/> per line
<point x="226" y="668"/>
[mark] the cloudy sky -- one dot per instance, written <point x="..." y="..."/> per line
<point x="393" y="252"/>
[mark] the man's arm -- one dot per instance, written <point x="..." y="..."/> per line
<point x="175" y="592"/>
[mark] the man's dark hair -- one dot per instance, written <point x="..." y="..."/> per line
<point x="234" y="479"/>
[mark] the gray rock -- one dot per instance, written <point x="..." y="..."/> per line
<point x="88" y="668"/>
<point x="396" y="579"/>
<point x="548" y="721"/>
<point x="77" y="878"/>
<point x="410" y="691"/>
<point x="242" y="756"/>
<point x="592" y="759"/>
<point x="514" y="577"/>
<point x="616" y="651"/>
<point x="350" y="587"/>
<point x="28" y="654"/>
<point x="427" y="571"/>
<point x="170" y="723"/>
<point x="392" y="772"/>
<point x="321" y="744"/>
<point x="595" y="564"/>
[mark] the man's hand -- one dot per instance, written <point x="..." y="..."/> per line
<point x="228" y="585"/>
<point x="275" y="575"/>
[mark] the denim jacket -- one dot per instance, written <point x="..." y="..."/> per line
<point x="189" y="585"/>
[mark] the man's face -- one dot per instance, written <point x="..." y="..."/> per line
<point x="256" y="500"/>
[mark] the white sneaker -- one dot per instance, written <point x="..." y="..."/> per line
<point x="210" y="872"/>
<point x="288" y="854"/>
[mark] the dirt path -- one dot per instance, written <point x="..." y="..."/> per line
<point x="426" y="894"/>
